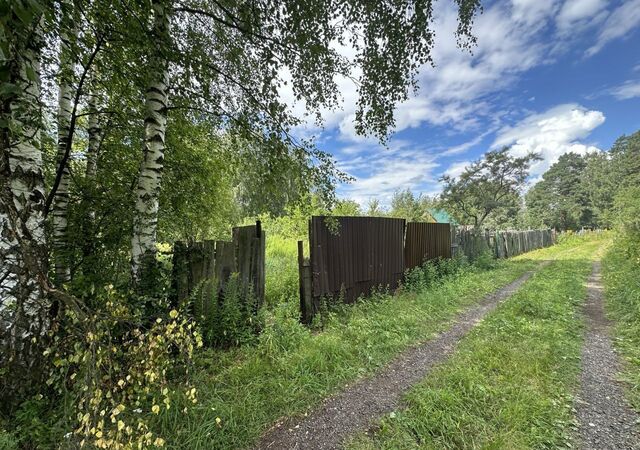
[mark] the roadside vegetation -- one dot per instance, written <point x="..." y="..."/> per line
<point x="291" y="368"/>
<point x="621" y="268"/>
<point x="511" y="380"/>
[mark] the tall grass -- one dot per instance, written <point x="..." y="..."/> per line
<point x="281" y="268"/>
<point x="621" y="270"/>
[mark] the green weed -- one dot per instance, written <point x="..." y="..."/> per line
<point x="621" y="269"/>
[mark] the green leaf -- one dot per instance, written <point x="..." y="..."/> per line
<point x="31" y="74"/>
<point x="25" y="14"/>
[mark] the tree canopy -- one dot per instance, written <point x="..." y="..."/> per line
<point x="487" y="186"/>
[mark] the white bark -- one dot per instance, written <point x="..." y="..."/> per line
<point x="68" y="33"/>
<point x="24" y="307"/>
<point x="143" y="242"/>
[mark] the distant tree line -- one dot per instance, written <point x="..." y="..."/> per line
<point x="578" y="191"/>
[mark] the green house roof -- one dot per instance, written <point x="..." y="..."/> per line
<point x="441" y="216"/>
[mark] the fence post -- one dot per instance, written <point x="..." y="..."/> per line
<point x="304" y="275"/>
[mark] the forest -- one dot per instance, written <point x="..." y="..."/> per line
<point x="128" y="126"/>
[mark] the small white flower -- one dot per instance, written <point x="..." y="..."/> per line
<point x="68" y="435"/>
<point x="137" y="410"/>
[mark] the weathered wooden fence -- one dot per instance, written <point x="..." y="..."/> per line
<point x="204" y="268"/>
<point x="500" y="244"/>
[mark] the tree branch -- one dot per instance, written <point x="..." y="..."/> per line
<point x="72" y="126"/>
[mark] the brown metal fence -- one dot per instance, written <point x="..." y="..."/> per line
<point x="424" y="241"/>
<point x="351" y="255"/>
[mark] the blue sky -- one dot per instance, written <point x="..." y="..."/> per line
<point x="550" y="76"/>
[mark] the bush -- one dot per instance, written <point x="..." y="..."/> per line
<point x="110" y="373"/>
<point x="433" y="271"/>
<point x="485" y="261"/>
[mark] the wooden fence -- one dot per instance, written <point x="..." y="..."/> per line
<point x="204" y="268"/>
<point x="500" y="244"/>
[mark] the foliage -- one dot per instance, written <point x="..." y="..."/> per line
<point x="374" y="209"/>
<point x="560" y="200"/>
<point x="281" y="268"/>
<point x="580" y="191"/>
<point x="406" y="205"/>
<point x="230" y="318"/>
<point x="432" y="272"/>
<point x="487" y="186"/>
<point x="114" y="369"/>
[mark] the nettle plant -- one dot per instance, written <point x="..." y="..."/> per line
<point x="115" y="367"/>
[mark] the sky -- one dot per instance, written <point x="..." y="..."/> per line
<point x="550" y="76"/>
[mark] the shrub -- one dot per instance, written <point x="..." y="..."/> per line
<point x="110" y="374"/>
<point x="433" y="271"/>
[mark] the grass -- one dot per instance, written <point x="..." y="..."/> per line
<point x="621" y="267"/>
<point x="281" y="267"/>
<point x="510" y="383"/>
<point x="243" y="391"/>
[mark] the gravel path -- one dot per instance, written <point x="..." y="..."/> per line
<point x="364" y="402"/>
<point x="606" y="420"/>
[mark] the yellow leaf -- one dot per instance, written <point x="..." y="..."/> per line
<point x="155" y="409"/>
<point x="173" y="314"/>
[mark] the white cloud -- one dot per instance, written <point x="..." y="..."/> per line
<point x="382" y="171"/>
<point x="551" y="134"/>
<point x="580" y="13"/>
<point x="627" y="90"/>
<point x="618" y="25"/>
<point x="453" y="93"/>
<point x="455" y="150"/>
<point x="456" y="169"/>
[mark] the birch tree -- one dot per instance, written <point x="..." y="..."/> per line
<point x="68" y="32"/>
<point x="24" y="305"/>
<point x="143" y="241"/>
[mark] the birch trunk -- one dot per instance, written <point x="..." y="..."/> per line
<point x="143" y="241"/>
<point x="24" y="307"/>
<point x="65" y="98"/>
